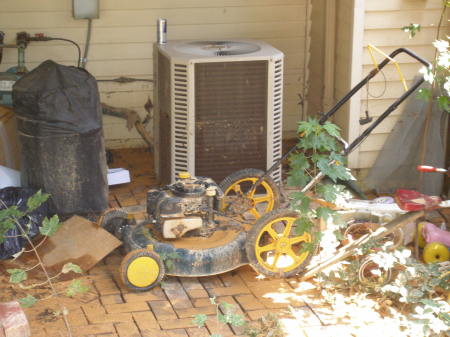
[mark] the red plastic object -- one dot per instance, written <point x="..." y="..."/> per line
<point x="410" y="200"/>
<point x="425" y="168"/>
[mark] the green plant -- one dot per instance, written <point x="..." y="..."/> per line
<point x="226" y="314"/>
<point x="415" y="288"/>
<point x="412" y="29"/>
<point x="9" y="219"/>
<point x="438" y="73"/>
<point x="168" y="259"/>
<point x="318" y="150"/>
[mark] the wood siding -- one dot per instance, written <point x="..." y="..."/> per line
<point x="343" y="57"/>
<point x="121" y="43"/>
<point x="383" y="22"/>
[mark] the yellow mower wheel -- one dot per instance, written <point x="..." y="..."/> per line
<point x="435" y="252"/>
<point x="274" y="249"/>
<point x="239" y="197"/>
<point x="141" y="270"/>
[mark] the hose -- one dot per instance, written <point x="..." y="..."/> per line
<point x="67" y="40"/>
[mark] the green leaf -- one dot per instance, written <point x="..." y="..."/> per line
<point x="68" y="267"/>
<point x="324" y="213"/>
<point x="212" y="300"/>
<point x="28" y="301"/>
<point x="226" y="306"/>
<point x="298" y="161"/>
<point x="445" y="316"/>
<point x="221" y="318"/>
<point x="301" y="202"/>
<point x="11" y="213"/>
<point x="36" y="200"/>
<point x="297" y="178"/>
<point x="332" y="129"/>
<point x="338" y="234"/>
<point x="431" y="303"/>
<point x="424" y="94"/>
<point x="327" y="191"/>
<point x="16" y="275"/>
<point x="412" y="29"/>
<point x="236" y="320"/>
<point x="303" y="225"/>
<point x="307" y="247"/>
<point x="200" y="320"/>
<point x="444" y="103"/>
<point x="216" y="335"/>
<point x="306" y="128"/>
<point x="76" y="287"/>
<point x="50" y="226"/>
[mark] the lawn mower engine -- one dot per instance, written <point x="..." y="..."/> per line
<point x="184" y="206"/>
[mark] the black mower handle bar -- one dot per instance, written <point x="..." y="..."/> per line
<point x="350" y="94"/>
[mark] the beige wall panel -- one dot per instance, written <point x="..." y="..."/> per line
<point x="384" y="127"/>
<point x="378" y="106"/>
<point x="374" y="142"/>
<point x="399" y="19"/>
<point x="392" y="5"/>
<point x="424" y="51"/>
<point x="409" y="71"/>
<point x="122" y="38"/>
<point x="367" y="159"/>
<point x="148" y="17"/>
<point x="343" y="55"/>
<point x="52" y="5"/>
<point x="398" y="38"/>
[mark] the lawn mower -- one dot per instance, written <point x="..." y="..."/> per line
<point x="195" y="227"/>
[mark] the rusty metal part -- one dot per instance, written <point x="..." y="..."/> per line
<point x="132" y="118"/>
<point x="238" y="204"/>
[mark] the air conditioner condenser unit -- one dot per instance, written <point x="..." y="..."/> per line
<point x="218" y="108"/>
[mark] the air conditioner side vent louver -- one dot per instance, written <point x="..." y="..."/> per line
<point x="180" y="118"/>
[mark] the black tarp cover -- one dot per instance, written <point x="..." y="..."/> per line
<point x="60" y="128"/>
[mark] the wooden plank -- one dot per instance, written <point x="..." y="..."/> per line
<point x="425" y="51"/>
<point x="392" y="5"/>
<point x="392" y="89"/>
<point x="141" y="34"/>
<point x="374" y="142"/>
<point x="366" y="159"/>
<point x="378" y="106"/>
<point x="410" y="72"/>
<point x="398" y="19"/>
<point x="396" y="37"/>
<point x="53" y="5"/>
<point x="385" y="126"/>
<point x="148" y="17"/>
<point x="102" y="65"/>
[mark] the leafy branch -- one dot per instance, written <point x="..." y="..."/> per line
<point x="12" y="217"/>
<point x="319" y="149"/>
<point x="226" y="314"/>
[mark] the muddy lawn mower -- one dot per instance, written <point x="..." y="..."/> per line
<point x="195" y="227"/>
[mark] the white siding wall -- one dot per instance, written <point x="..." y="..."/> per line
<point x="383" y="22"/>
<point x="122" y="40"/>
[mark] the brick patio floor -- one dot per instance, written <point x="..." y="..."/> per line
<point x="109" y="309"/>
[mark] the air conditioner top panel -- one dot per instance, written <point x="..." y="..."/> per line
<point x="218" y="51"/>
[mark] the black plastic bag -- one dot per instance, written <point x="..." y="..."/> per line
<point x="59" y="119"/>
<point x="17" y="196"/>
